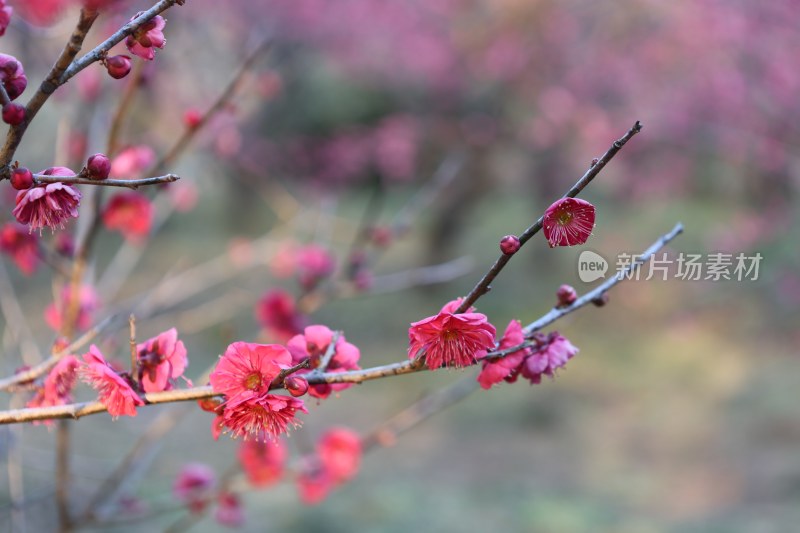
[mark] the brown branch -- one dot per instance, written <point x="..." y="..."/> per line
<point x="45" y="366"/>
<point x="41" y="179"/>
<point x="484" y="285"/>
<point x="353" y="376"/>
<point x="48" y="87"/>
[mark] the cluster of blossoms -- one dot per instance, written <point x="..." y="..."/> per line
<point x="161" y="360"/>
<point x="244" y="375"/>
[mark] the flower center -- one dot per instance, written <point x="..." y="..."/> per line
<point x="449" y="335"/>
<point x="564" y="218"/>
<point x="252" y="381"/>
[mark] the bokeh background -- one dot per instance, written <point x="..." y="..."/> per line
<point x="681" y="411"/>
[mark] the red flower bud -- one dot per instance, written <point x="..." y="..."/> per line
<point x="21" y="179"/>
<point x="98" y="167"/>
<point x="566" y="295"/>
<point x="296" y="385"/>
<point x="192" y="118"/>
<point x="13" y="113"/>
<point x="509" y="244"/>
<point x="118" y="66"/>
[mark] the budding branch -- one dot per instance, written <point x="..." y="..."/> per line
<point x="78" y="410"/>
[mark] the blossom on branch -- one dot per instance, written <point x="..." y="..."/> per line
<point x="553" y="355"/>
<point x="115" y="392"/>
<point x="149" y="36"/>
<point x="451" y="340"/>
<point x="313" y="344"/>
<point x="244" y="375"/>
<point x="130" y="213"/>
<point x="161" y="360"/>
<point x="568" y="221"/>
<point x="505" y="368"/>
<point x="57" y="386"/>
<point x="261" y="416"/>
<point x="340" y="452"/>
<point x="278" y="314"/>
<point x="48" y="205"/>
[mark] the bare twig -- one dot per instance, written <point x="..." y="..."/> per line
<point x="134" y="351"/>
<point x="40" y="179"/>
<point x="329" y="353"/>
<point x="48" y="86"/>
<point x="484" y="284"/>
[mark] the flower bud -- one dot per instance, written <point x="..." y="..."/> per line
<point x="601" y="300"/>
<point x="12" y="76"/>
<point x="296" y="385"/>
<point x="566" y="295"/>
<point x="98" y="167"/>
<point x="509" y="244"/>
<point x="21" y="179"/>
<point x="118" y="66"/>
<point x="13" y="114"/>
<point x="192" y="118"/>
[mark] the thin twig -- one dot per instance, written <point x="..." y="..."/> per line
<point x="329" y="353"/>
<point x="41" y="179"/>
<point x="483" y="285"/>
<point x="48" y="86"/>
<point x="45" y="366"/>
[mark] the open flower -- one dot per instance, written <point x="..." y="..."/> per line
<point x="263" y="461"/>
<point x="48" y="205"/>
<point x="149" y="36"/>
<point x="262" y="417"/>
<point x="548" y="358"/>
<point x="339" y="452"/>
<point x="451" y="340"/>
<point x="162" y="360"/>
<point x="278" y="314"/>
<point x="495" y="371"/>
<point x="57" y="386"/>
<point x="130" y="213"/>
<point x="569" y="221"/>
<point x="114" y="390"/>
<point x="312" y="345"/>
<point x="247" y="368"/>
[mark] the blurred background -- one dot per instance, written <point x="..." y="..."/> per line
<point x="394" y="135"/>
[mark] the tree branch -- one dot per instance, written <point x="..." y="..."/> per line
<point x="484" y="285"/>
<point x="41" y="179"/>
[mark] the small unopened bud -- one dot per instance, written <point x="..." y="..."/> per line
<point x="601" y="300"/>
<point x="192" y="118"/>
<point x="13" y="114"/>
<point x="64" y="244"/>
<point x="118" y="66"/>
<point x="210" y="405"/>
<point x="566" y="295"/>
<point x="594" y="162"/>
<point x="21" y="179"/>
<point x="98" y="167"/>
<point x="296" y="385"/>
<point x="509" y="244"/>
